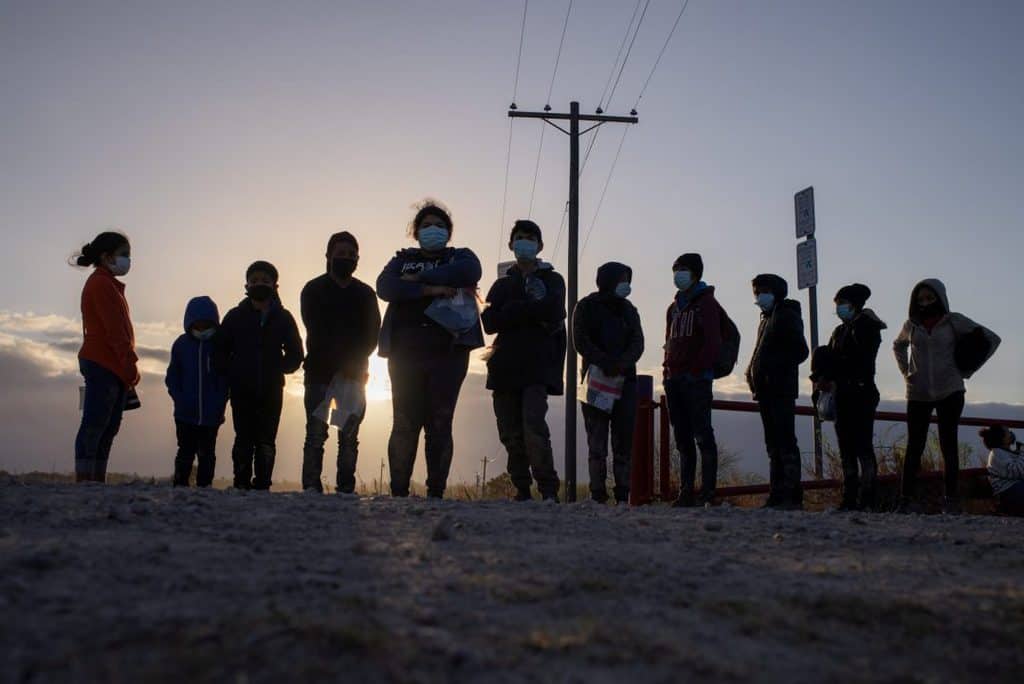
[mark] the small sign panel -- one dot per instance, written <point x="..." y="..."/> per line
<point x="807" y="264"/>
<point x="804" y="204"/>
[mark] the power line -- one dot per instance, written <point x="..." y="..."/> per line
<point x="519" y="56"/>
<point x="628" y="51"/>
<point x="508" y="149"/>
<point x="618" y="55"/>
<point x="664" y="47"/>
<point x="607" y="182"/>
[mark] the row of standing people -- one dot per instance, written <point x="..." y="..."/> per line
<point x="246" y="356"/>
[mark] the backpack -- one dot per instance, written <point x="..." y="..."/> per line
<point x="730" y="351"/>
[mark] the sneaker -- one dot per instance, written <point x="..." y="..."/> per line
<point x="599" y="497"/>
<point x="551" y="497"/>
<point x="684" y="500"/>
<point x="523" y="495"/>
<point x="706" y="499"/>
<point x="951" y="506"/>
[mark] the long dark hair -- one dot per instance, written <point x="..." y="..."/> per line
<point x="106" y="242"/>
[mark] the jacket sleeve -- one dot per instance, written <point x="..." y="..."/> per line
<point x="900" y="348"/>
<point x="173" y="377"/>
<point x="371" y="323"/>
<point x="224" y="345"/>
<point x="391" y="287"/>
<point x="118" y="329"/>
<point x="312" y="314"/>
<point x="635" y="348"/>
<point x="712" y="326"/>
<point x="463" y="271"/>
<point x="963" y="325"/>
<point x="493" y="316"/>
<point x="868" y="339"/>
<point x="292" y="346"/>
<point x="584" y="344"/>
<point x="791" y="342"/>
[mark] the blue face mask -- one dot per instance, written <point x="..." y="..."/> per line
<point x="525" y="250"/>
<point x="683" y="279"/>
<point x="765" y="300"/>
<point x="623" y="290"/>
<point x="845" y="312"/>
<point x="433" y="238"/>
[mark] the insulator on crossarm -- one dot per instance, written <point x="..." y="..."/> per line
<point x="513" y="106"/>
<point x="599" y="111"/>
<point x="547" y="108"/>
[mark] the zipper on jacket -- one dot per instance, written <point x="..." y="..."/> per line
<point x="200" y="421"/>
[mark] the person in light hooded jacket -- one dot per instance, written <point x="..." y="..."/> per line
<point x="926" y="353"/>
<point x="199" y="393"/>
<point x="1005" y="469"/>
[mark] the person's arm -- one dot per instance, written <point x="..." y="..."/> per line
<point x="224" y="345"/>
<point x="292" y="345"/>
<point x="900" y="346"/>
<point x="868" y="339"/>
<point x="1013" y="466"/>
<point x="391" y="287"/>
<point x="371" y="323"/>
<point x="635" y="348"/>
<point x="585" y="345"/>
<point x="114" y="317"/>
<point x="464" y="270"/>
<point x="493" y="316"/>
<point x="962" y="325"/>
<point x="173" y="377"/>
<point x="312" y="312"/>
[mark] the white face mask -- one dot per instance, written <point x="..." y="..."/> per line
<point x="121" y="265"/>
<point x="204" y="335"/>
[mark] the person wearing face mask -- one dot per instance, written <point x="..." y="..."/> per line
<point x="526" y="310"/>
<point x="1005" y="469"/>
<point x="342" y="322"/>
<point x="199" y="393"/>
<point x="926" y="353"/>
<point x="848" y="370"/>
<point x="773" y="379"/>
<point x="693" y="341"/>
<point x="426" y="362"/>
<point x="257" y="344"/>
<point x="607" y="333"/>
<point x="107" y="358"/>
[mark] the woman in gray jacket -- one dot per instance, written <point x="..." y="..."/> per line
<point x="926" y="352"/>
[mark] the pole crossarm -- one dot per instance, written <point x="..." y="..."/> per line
<point x="599" y="118"/>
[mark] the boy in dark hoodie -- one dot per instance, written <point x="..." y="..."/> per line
<point x="607" y="333"/>
<point x="693" y="341"/>
<point x="773" y="379"/>
<point x="846" y="367"/>
<point x="527" y="312"/>
<point x="199" y="393"/>
<point x="257" y="345"/>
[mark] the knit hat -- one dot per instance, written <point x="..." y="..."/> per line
<point x="773" y="283"/>
<point x="343" y="236"/>
<point x="264" y="266"/>
<point x="856" y="294"/>
<point x="692" y="262"/>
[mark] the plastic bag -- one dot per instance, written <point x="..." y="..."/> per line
<point x="600" y="390"/>
<point x="826" y="406"/>
<point x="456" y="314"/>
<point x="344" y="399"/>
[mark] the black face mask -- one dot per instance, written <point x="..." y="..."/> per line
<point x="259" y="293"/>
<point x="933" y="309"/>
<point x="343" y="267"/>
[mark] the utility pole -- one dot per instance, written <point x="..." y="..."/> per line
<point x="807" y="277"/>
<point x="574" y="118"/>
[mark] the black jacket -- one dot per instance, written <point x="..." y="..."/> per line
<point x="852" y="351"/>
<point x="780" y="350"/>
<point x="606" y="328"/>
<point x="342" y="325"/>
<point x="255" y="353"/>
<point x="528" y="315"/>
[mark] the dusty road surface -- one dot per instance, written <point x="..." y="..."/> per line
<point x="142" y="583"/>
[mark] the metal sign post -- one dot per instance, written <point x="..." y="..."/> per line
<point x="807" y="279"/>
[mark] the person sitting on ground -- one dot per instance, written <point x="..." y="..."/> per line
<point x="1005" y="469"/>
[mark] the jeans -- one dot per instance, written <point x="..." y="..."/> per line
<point x="424" y="392"/>
<point x="195" y="441"/>
<point x="621" y="422"/>
<point x="855" y="432"/>
<point x="101" y="419"/>
<point x="255" y="418"/>
<point x="919" y="415"/>
<point x="778" y="417"/>
<point x="316" y="437"/>
<point x="523" y="429"/>
<point x="689" y="409"/>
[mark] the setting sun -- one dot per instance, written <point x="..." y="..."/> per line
<point x="378" y="387"/>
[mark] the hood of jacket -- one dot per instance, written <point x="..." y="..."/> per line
<point x="873" y="318"/>
<point x="773" y="283"/>
<point x="937" y="286"/>
<point x="610" y="274"/>
<point x="200" y="309"/>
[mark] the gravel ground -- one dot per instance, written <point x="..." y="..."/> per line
<point x="144" y="583"/>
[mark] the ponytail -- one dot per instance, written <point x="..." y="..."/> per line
<point x="104" y="243"/>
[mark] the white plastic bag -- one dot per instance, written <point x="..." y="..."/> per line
<point x="456" y="314"/>
<point x="344" y="399"/>
<point x="600" y="390"/>
<point x="826" y="406"/>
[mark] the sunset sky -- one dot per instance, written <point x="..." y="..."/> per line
<point x="216" y="133"/>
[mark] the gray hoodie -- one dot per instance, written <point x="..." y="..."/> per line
<point x="926" y="359"/>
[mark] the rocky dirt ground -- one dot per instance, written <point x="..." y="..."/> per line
<point x="145" y="583"/>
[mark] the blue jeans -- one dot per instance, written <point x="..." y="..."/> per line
<point x="316" y="437"/>
<point x="101" y="419"/>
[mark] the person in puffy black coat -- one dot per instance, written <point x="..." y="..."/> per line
<point x="774" y="381"/>
<point x="848" y="370"/>
<point x="607" y="333"/>
<point x="526" y="309"/>
<point x="257" y="344"/>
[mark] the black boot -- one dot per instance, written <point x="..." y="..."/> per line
<point x="621" y="496"/>
<point x="685" y="499"/>
<point x="600" y="496"/>
<point x="774" y="481"/>
<point x="523" y="495"/>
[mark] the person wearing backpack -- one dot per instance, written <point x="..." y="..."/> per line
<point x="774" y="382"/>
<point x="848" y="370"/>
<point x="937" y="350"/>
<point x="607" y="333"/>
<point x="693" y="343"/>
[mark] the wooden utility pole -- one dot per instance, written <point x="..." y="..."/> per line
<point x="574" y="118"/>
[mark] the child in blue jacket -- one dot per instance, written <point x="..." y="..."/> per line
<point x="199" y="393"/>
